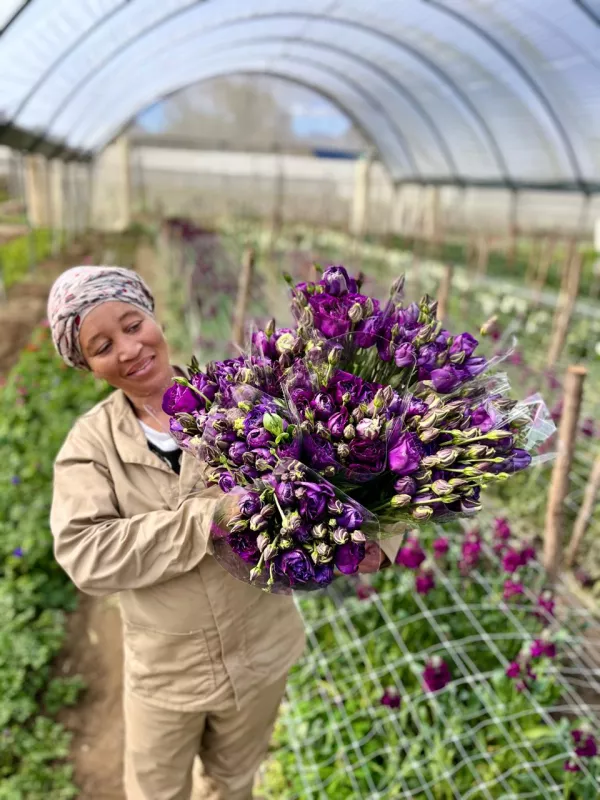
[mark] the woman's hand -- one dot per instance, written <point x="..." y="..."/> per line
<point x="374" y="560"/>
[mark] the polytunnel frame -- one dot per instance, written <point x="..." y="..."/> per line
<point x="11" y="134"/>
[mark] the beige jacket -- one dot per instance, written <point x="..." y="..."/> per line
<point x="124" y="522"/>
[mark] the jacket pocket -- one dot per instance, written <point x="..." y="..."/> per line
<point x="169" y="667"/>
<point x="273" y="634"/>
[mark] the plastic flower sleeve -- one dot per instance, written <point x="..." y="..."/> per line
<point x="291" y="532"/>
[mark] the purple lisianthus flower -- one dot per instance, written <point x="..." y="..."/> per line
<point x="258" y="437"/>
<point x="485" y="418"/>
<point x="249" y="472"/>
<point x="464" y="343"/>
<point x="206" y="387"/>
<point x="236" y="452"/>
<point x="351" y="518"/>
<point x="367" y="456"/>
<point x="264" y="344"/>
<point x="588" y="427"/>
<point x="585" y="744"/>
<point x="249" y="504"/>
<point x="330" y="315"/>
<point x="323" y="574"/>
<point x="391" y="698"/>
<point x="405" y="455"/>
<point x="290" y="449"/>
<point x="424" y="582"/>
<point x="18" y="552"/>
<point x="367" y="331"/>
<point x="411" y="555"/>
<point x="176" y="431"/>
<point x="337" y="422"/>
<point x="347" y="557"/>
<point x="445" y="379"/>
<point x="405" y="485"/>
<point x="344" y="383"/>
<point x="296" y="565"/>
<point x="405" y="355"/>
<point x="226" y="481"/>
<point x="319" y="452"/>
<point x="542" y="649"/>
<point x="285" y="493"/>
<point x="441" y="547"/>
<point x="436" y="675"/>
<point x="180" y="400"/>
<point x="427" y="356"/>
<point x="337" y="282"/>
<point x="301" y="397"/>
<point x="313" y="503"/>
<point x="475" y="365"/>
<point x="303" y="533"/>
<point x="323" y="405"/>
<point x="244" y="545"/>
<point x="416" y="408"/>
<point x="520" y="459"/>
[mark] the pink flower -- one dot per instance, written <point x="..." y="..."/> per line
<point x="436" y="675"/>
<point x="584" y="578"/>
<point x="513" y="670"/>
<point x="588" y="427"/>
<point x="424" y="581"/>
<point x="441" y="547"/>
<point x="365" y="590"/>
<point x="391" y="698"/>
<point x="571" y="766"/>
<point x="411" y="555"/>
<point x="512" y="589"/>
<point x="511" y="561"/>
<point x="527" y="554"/>
<point x="546" y="605"/>
<point x="471" y="549"/>
<point x="502" y="529"/>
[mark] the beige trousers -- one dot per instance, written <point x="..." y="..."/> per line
<point x="161" y="745"/>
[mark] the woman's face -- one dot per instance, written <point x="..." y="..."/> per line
<point x="125" y="347"/>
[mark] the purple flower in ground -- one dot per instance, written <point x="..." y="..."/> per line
<point x="513" y="670"/>
<point x="588" y="427"/>
<point x="347" y="557"/>
<point x="296" y="565"/>
<point x="571" y="766"/>
<point x="545" y="605"/>
<point x="585" y="744"/>
<point x="512" y="589"/>
<point x="436" y="675"/>
<point x="391" y="698"/>
<point x="527" y="554"/>
<point x="405" y="455"/>
<point x="441" y="547"/>
<point x="411" y="555"/>
<point x="15" y="480"/>
<point x="424" y="582"/>
<point x="471" y="549"/>
<point x="541" y="648"/>
<point x="502" y="529"/>
<point x="18" y="552"/>
<point x="511" y="561"/>
<point x="365" y="590"/>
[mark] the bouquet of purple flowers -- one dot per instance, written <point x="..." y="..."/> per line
<point x="361" y="420"/>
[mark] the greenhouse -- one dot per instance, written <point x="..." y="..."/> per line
<point x="293" y="160"/>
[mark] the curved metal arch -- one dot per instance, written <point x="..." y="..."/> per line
<point x="525" y="75"/>
<point x="385" y="76"/>
<point x="292" y="77"/>
<point x="442" y="76"/>
<point x="355" y="87"/>
<point x="15" y="16"/>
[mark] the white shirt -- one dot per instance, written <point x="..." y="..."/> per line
<point x="164" y="441"/>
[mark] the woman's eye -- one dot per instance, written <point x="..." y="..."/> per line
<point x="134" y="327"/>
<point x="104" y="349"/>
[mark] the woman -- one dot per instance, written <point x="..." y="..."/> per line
<point x="206" y="656"/>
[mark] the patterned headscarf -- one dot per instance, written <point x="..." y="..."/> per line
<point x="80" y="289"/>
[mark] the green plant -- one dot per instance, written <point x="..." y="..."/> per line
<point x="16" y="255"/>
<point x="38" y="404"/>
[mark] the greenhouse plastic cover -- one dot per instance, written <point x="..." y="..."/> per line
<point x="476" y="92"/>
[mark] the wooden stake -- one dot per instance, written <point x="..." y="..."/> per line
<point x="243" y="295"/>
<point x="564" y="310"/>
<point x="444" y="292"/>
<point x="483" y="255"/>
<point x="585" y="512"/>
<point x="546" y="259"/>
<point x="559" y="486"/>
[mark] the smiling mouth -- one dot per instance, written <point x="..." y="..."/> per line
<point x="144" y="366"/>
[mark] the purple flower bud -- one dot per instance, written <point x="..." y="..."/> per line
<point x="226" y="481"/>
<point x="445" y="379"/>
<point x="405" y="456"/>
<point x="236" y="452"/>
<point x="475" y="366"/>
<point x="258" y="437"/>
<point x="424" y="582"/>
<point x="441" y="547"/>
<point x="337" y="282"/>
<point x="347" y="557"/>
<point x="249" y="504"/>
<point x="367" y="331"/>
<point x="391" y="698"/>
<point x="512" y="589"/>
<point x="285" y="493"/>
<point x="180" y="399"/>
<point x="351" y="518"/>
<point x="296" y="565"/>
<point x="406" y="485"/>
<point x="323" y="405"/>
<point x="337" y="423"/>
<point x="464" y="343"/>
<point x="411" y="555"/>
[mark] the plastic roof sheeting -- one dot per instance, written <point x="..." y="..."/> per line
<point x="487" y="92"/>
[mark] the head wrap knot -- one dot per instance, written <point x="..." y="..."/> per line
<point x="80" y="289"/>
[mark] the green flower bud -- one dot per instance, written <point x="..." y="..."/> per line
<point x="286" y="543"/>
<point x="428" y="421"/>
<point x="369" y="307"/>
<point x="340" y="535"/>
<point x="291" y="521"/>
<point x="431" y="461"/>
<point x="320" y="532"/>
<point x="342" y="450"/>
<point x="349" y="432"/>
<point x="400" y="500"/>
<point x="458" y="358"/>
<point x="476" y="451"/>
<point x="441" y="488"/>
<point x="258" y="523"/>
<point x="447" y="456"/>
<point x="334" y="356"/>
<point x="355" y="312"/>
<point x="422" y="513"/>
<point x="429" y="435"/>
<point x="285" y="343"/>
<point x="262" y="540"/>
<point x="255" y="573"/>
<point x="358" y="414"/>
<point x="358" y="536"/>
<point x="328" y="472"/>
<point x="238" y="526"/>
<point x="325" y="552"/>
